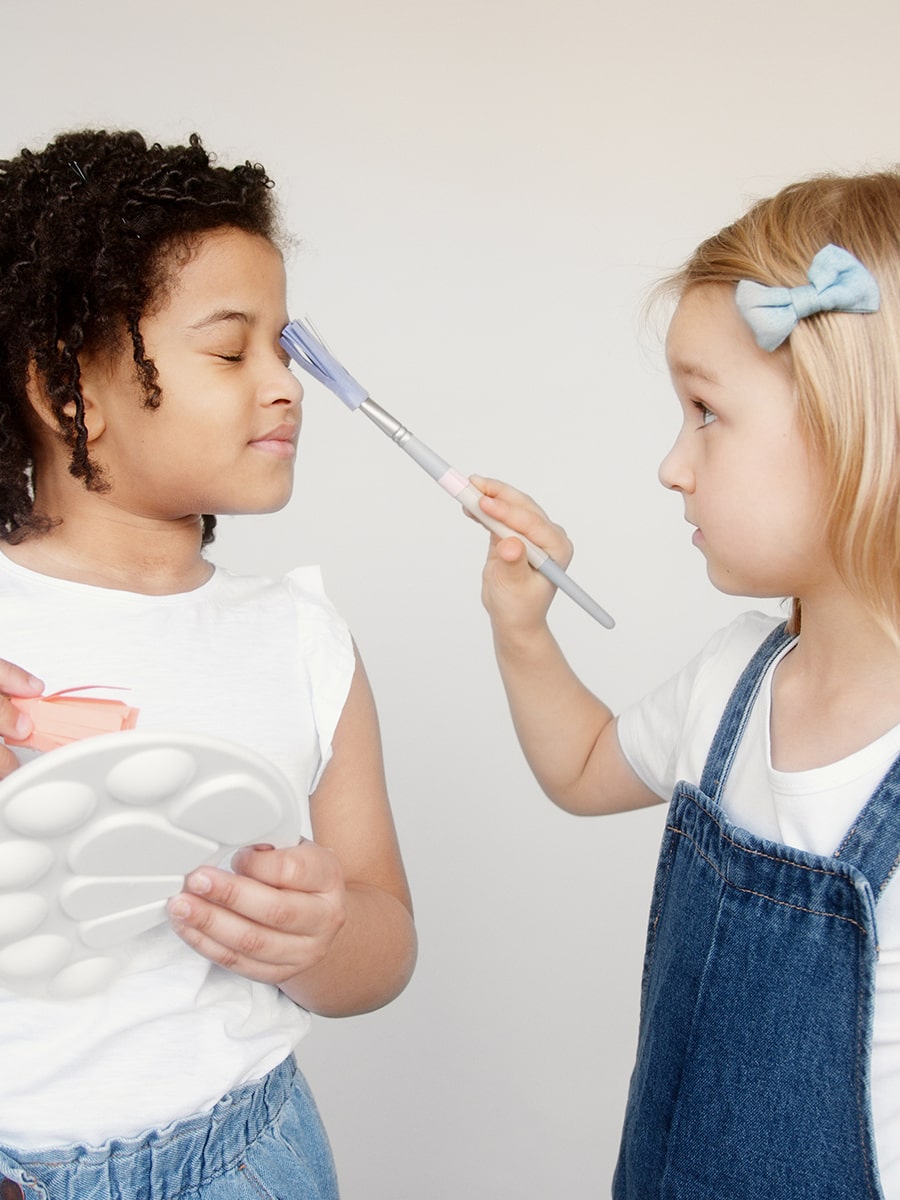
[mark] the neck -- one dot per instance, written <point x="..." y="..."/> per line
<point x="102" y="538"/>
<point x="839" y="688"/>
<point x="99" y="544"/>
<point x="840" y="639"/>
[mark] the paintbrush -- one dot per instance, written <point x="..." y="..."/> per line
<point x="307" y="349"/>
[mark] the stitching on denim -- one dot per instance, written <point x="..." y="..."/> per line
<point x="664" y="884"/>
<point x="740" y="705"/>
<point x="854" y="829"/>
<point x="860" y="1097"/>
<point x="236" y="1161"/>
<point x="652" y="939"/>
<point x="726" y="760"/>
<point x="891" y="873"/>
<point x="762" y="854"/>
<point x="787" y="862"/>
<point x="255" y="1183"/>
<point x="814" y="912"/>
<point x="847" y="838"/>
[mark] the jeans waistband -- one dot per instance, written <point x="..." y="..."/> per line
<point x="180" y="1157"/>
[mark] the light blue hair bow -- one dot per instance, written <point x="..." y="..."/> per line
<point x="838" y="282"/>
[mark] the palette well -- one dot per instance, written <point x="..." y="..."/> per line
<point x="95" y="837"/>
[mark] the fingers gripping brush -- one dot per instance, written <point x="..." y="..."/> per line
<point x="307" y="350"/>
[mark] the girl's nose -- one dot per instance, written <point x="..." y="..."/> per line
<point x="295" y="388"/>
<point x="674" y="470"/>
<point x="282" y="387"/>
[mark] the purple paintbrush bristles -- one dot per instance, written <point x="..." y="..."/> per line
<point x="308" y="352"/>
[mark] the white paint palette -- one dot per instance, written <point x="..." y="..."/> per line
<point x="97" y="835"/>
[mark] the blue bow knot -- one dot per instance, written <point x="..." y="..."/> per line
<point x="838" y="282"/>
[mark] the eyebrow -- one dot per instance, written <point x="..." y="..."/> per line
<point x="694" y="370"/>
<point x="220" y="315"/>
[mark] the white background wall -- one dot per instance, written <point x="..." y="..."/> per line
<point x="483" y="191"/>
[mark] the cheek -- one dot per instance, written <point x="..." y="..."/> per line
<point x="158" y="446"/>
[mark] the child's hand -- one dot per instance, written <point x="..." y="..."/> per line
<point x="13" y="723"/>
<point x="274" y="917"/>
<point x="515" y="595"/>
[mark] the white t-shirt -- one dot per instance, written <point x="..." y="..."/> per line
<point x="263" y="663"/>
<point x="666" y="738"/>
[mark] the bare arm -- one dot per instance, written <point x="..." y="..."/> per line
<point x="567" y="734"/>
<point x="330" y="921"/>
<point x="372" y="958"/>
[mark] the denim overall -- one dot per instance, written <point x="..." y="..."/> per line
<point x="752" y="1073"/>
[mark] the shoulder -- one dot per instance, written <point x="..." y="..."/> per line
<point x="307" y="589"/>
<point x="295" y="613"/>
<point x="730" y="649"/>
<point x="667" y="733"/>
<point x="302" y="589"/>
<point x="294" y="606"/>
<point x="715" y="670"/>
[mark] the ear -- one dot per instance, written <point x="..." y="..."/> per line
<point x="42" y="406"/>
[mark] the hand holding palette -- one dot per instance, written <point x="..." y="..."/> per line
<point x="97" y="835"/>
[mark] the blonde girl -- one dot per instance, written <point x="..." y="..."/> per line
<point x="768" y="1063"/>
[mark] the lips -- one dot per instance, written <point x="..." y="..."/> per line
<point x="697" y="535"/>
<point x="278" y="441"/>
<point x="285" y="432"/>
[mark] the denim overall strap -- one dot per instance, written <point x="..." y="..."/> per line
<point x="752" y="1072"/>
<point x="872" y="844"/>
<point x="731" y="727"/>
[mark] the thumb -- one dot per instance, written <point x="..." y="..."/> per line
<point x="511" y="551"/>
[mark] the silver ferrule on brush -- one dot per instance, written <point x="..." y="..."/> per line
<point x="383" y="419"/>
<point x="436" y="466"/>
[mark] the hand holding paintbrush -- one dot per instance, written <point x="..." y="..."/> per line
<point x="309" y="352"/>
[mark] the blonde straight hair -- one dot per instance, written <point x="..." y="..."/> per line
<point x="846" y="366"/>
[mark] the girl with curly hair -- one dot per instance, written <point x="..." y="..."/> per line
<point x="143" y="390"/>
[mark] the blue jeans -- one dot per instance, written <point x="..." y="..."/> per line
<point x="263" y="1140"/>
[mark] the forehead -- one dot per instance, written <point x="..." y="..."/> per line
<point x="225" y="267"/>
<point x="709" y="339"/>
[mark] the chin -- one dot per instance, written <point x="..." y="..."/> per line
<point x="726" y="583"/>
<point x="257" y="506"/>
<point x="277" y="505"/>
<point x="732" y="585"/>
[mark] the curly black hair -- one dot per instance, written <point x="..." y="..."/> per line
<point x="86" y="229"/>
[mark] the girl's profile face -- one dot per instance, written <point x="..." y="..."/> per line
<point x="750" y="486"/>
<point x="223" y="438"/>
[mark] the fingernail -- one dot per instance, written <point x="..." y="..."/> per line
<point x="23" y="725"/>
<point x="179" y="908"/>
<point x="199" y="883"/>
<point x="263" y="846"/>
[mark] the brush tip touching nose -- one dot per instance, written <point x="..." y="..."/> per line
<point x="308" y="352"/>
